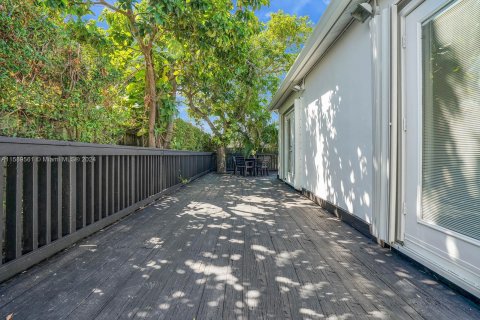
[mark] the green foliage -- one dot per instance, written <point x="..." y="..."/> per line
<point x="229" y="88"/>
<point x="48" y="68"/>
<point x="63" y="77"/>
<point x="187" y="136"/>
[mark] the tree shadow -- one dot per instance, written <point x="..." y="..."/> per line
<point x="337" y="155"/>
<point x="227" y="247"/>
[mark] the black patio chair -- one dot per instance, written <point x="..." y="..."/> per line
<point x="239" y="164"/>
<point x="249" y="167"/>
<point x="262" y="165"/>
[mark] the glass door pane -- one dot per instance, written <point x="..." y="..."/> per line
<point x="451" y="118"/>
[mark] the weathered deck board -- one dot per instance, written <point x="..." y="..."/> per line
<point x="229" y="247"/>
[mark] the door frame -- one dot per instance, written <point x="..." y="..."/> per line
<point x="398" y="205"/>
<point x="398" y="123"/>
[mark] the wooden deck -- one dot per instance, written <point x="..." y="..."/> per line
<point x="227" y="247"/>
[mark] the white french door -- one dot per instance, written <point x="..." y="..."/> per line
<point x="289" y="147"/>
<point x="441" y="138"/>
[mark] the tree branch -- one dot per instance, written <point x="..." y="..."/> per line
<point x="111" y="7"/>
<point x="205" y="117"/>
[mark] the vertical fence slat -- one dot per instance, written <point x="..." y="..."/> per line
<point x="59" y="199"/>
<point x="83" y="165"/>
<point x="80" y="194"/>
<point x="171" y="165"/>
<point x="48" y="204"/>
<point x="166" y="163"/>
<point x="14" y="195"/>
<point x="105" y="180"/>
<point x="35" y="204"/>
<point x="129" y="181"/>
<point x="44" y="199"/>
<point x="120" y="183"/>
<point x="18" y="209"/>
<point x="168" y="172"/>
<point x="91" y="190"/>
<point x="30" y="205"/>
<point x="97" y="178"/>
<point x="123" y="181"/>
<point x="126" y="168"/>
<point x="111" y="185"/>
<point x="117" y="184"/>
<point x="136" y="186"/>
<point x="72" y="195"/>
<point x="147" y="176"/>
<point x="162" y="172"/>
<point x="157" y="176"/>
<point x="2" y="212"/>
<point x="150" y="175"/>
<point x="132" y="180"/>
<point x="142" y="180"/>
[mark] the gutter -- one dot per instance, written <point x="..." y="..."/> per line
<point x="332" y="24"/>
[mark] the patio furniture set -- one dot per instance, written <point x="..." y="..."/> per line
<point x="252" y="166"/>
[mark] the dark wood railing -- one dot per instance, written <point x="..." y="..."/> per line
<point x="272" y="166"/>
<point x="54" y="193"/>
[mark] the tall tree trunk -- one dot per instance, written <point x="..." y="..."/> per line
<point x="168" y="134"/>
<point x="167" y="138"/>
<point x="150" y="95"/>
<point x="221" y="160"/>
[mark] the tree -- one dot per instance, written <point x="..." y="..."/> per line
<point x="48" y="67"/>
<point x="65" y="78"/>
<point x="151" y="20"/>
<point x="229" y="89"/>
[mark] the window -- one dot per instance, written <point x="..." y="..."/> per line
<point x="451" y="118"/>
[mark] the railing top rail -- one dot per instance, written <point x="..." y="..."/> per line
<point x="40" y="147"/>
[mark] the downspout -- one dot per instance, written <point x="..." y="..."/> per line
<point x="374" y="228"/>
<point x="379" y="26"/>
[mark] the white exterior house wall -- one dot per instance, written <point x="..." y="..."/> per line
<point x="341" y="118"/>
<point x="350" y="129"/>
<point x="336" y="125"/>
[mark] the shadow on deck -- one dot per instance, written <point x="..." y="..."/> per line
<point x="227" y="247"/>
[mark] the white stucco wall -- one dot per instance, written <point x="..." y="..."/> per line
<point x="335" y="158"/>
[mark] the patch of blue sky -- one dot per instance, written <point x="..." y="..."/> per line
<point x="311" y="8"/>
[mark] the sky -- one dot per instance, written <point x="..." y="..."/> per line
<point x="311" y="8"/>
